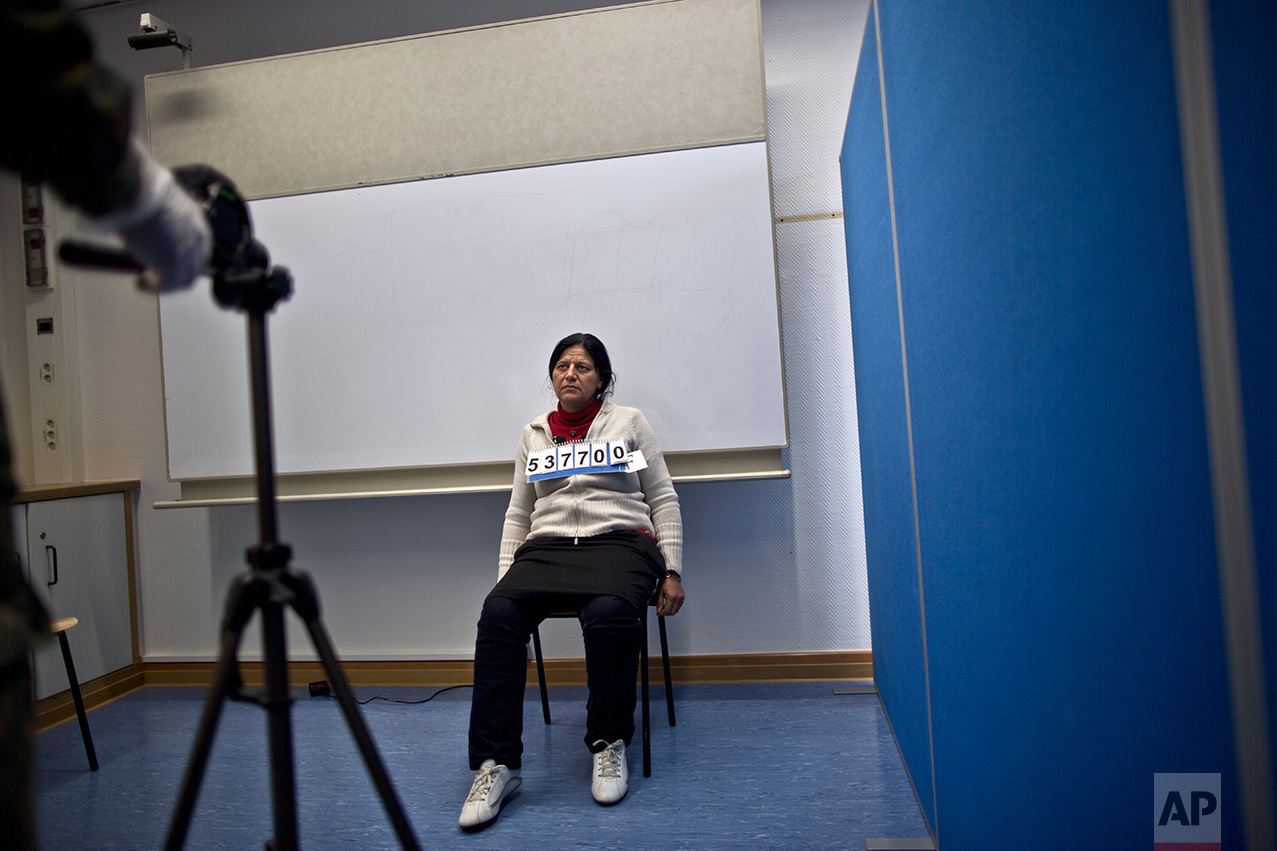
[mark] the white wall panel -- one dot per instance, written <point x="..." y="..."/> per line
<point x="633" y="79"/>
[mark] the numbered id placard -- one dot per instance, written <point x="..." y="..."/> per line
<point x="568" y="459"/>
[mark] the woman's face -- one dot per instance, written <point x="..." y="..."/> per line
<point x="575" y="379"/>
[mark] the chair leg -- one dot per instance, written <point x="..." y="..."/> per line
<point x="545" y="696"/>
<point x="647" y="720"/>
<point x="665" y="662"/>
<point x="78" y="700"/>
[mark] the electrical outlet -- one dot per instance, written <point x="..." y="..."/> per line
<point x="51" y="435"/>
<point x="46" y="374"/>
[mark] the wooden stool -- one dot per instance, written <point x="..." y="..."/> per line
<point x="60" y="626"/>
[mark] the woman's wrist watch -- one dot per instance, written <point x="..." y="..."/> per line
<point x="673" y="574"/>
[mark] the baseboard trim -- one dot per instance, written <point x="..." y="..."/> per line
<point x="836" y="666"/>
<point x="56" y="708"/>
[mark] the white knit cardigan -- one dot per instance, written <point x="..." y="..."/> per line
<point x="592" y="504"/>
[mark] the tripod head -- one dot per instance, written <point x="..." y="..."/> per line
<point x="242" y="274"/>
<point x="240" y="266"/>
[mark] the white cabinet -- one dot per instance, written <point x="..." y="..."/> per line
<point x="76" y="555"/>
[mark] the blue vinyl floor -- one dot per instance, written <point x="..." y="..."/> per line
<point x="790" y="766"/>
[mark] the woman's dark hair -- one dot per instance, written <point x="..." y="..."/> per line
<point x="598" y="353"/>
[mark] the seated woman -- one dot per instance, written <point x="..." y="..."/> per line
<point x="600" y="539"/>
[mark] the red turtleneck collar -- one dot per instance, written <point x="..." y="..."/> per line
<point x="573" y="426"/>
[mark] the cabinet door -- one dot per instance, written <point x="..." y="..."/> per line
<point x="50" y="673"/>
<point x="18" y="516"/>
<point x="77" y="560"/>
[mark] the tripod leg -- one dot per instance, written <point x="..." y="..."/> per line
<point x="280" y="730"/>
<point x="362" y="736"/>
<point x="307" y="605"/>
<point x="225" y="678"/>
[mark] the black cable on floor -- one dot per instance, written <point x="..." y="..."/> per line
<point x="320" y="689"/>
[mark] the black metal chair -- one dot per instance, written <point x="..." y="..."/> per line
<point x="665" y="662"/>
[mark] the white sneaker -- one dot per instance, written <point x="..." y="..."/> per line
<point x="492" y="783"/>
<point x="611" y="779"/>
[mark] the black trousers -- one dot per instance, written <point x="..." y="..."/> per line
<point x="613" y="640"/>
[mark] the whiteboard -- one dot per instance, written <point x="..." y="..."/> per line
<point x="424" y="314"/>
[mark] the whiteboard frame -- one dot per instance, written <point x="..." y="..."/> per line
<point x="668" y="257"/>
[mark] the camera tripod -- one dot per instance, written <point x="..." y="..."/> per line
<point x="244" y="280"/>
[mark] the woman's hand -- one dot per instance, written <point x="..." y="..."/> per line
<point x="669" y="597"/>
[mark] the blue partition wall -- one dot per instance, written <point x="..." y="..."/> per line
<point x="894" y="602"/>
<point x="1047" y="626"/>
